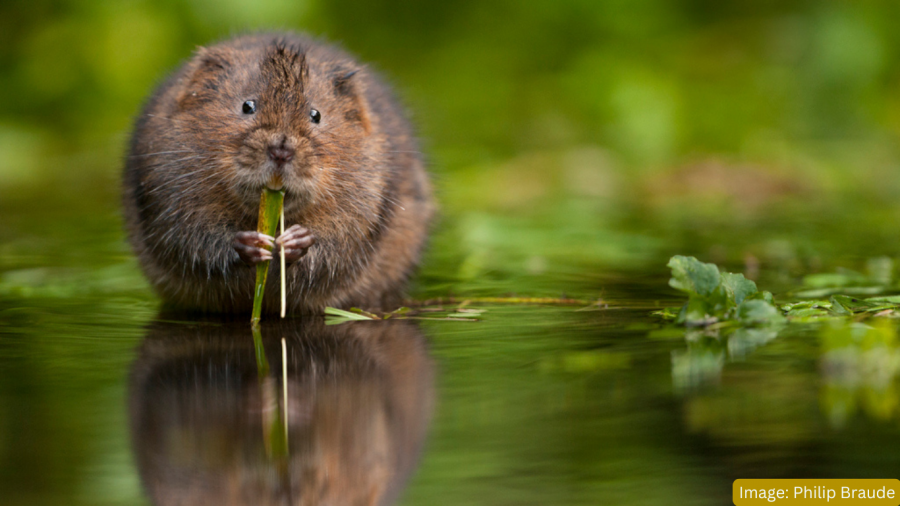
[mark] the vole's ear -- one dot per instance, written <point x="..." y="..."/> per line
<point x="349" y="90"/>
<point x="343" y="82"/>
<point x="205" y="73"/>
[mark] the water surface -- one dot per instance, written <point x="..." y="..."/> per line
<point x="104" y="401"/>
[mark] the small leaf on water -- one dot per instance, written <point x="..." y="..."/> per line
<point x="806" y="304"/>
<point x="807" y="312"/>
<point x="764" y="295"/>
<point x="693" y="276"/>
<point x="737" y="286"/>
<point x="837" y="306"/>
<point x="333" y="311"/>
<point x="758" y="312"/>
<point x="371" y="316"/>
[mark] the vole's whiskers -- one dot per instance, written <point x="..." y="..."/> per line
<point x="179" y="179"/>
<point x="144" y="155"/>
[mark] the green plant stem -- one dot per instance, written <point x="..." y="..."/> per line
<point x="270" y="205"/>
<point x="501" y="300"/>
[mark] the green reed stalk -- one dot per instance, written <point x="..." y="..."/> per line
<point x="270" y="208"/>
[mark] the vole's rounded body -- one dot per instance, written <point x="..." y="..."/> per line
<point x="284" y="108"/>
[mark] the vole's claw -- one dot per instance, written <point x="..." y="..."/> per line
<point x="295" y="241"/>
<point x="254" y="239"/>
<point x="251" y="247"/>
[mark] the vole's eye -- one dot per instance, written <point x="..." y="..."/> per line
<point x="315" y="116"/>
<point x="249" y="107"/>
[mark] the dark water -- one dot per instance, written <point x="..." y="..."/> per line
<point x="103" y="401"/>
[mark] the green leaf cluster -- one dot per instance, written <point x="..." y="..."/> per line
<point x="842" y="306"/>
<point x="715" y="297"/>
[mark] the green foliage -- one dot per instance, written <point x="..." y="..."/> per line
<point x="842" y="306"/>
<point x="715" y="297"/>
<point x="334" y="316"/>
<point x="694" y="277"/>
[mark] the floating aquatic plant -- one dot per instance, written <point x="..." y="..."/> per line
<point x="722" y="298"/>
<point x="715" y="297"/>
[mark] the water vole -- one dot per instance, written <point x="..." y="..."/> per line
<point x="275" y="109"/>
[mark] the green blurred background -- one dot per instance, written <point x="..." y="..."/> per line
<point x="653" y="82"/>
<point x="563" y="136"/>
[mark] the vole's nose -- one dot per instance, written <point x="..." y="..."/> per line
<point x="280" y="154"/>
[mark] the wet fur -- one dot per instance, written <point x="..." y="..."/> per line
<point x="197" y="165"/>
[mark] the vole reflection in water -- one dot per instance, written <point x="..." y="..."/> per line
<point x="207" y="427"/>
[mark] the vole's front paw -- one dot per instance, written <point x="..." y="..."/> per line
<point x="250" y="247"/>
<point x="296" y="241"/>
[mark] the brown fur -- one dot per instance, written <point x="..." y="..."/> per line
<point x="197" y="166"/>
<point x="360" y="398"/>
